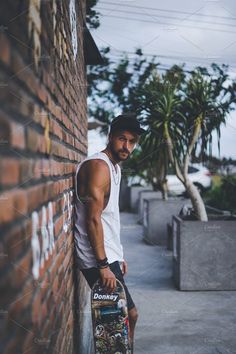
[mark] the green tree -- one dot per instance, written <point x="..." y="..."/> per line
<point x="185" y="115"/>
<point x="92" y="16"/>
<point x="115" y="87"/>
<point x="160" y="107"/>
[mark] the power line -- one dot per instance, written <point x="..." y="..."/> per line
<point x="167" y="17"/>
<point x="119" y="56"/>
<point x="161" y="55"/>
<point x="169" y="24"/>
<point x="169" y="11"/>
<point x="182" y="58"/>
<point x="114" y="57"/>
<point x="162" y="67"/>
<point x="165" y="56"/>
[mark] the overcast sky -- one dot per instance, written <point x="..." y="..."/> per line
<point x="194" y="32"/>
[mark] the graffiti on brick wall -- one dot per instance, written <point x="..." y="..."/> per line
<point x="41" y="251"/>
<point x="73" y="28"/>
<point x="67" y="210"/>
<point x="44" y="231"/>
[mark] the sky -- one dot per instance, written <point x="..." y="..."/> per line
<point x="194" y="32"/>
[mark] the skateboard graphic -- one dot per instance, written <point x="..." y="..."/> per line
<point x="110" y="320"/>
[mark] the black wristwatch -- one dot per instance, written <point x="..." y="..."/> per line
<point x="102" y="263"/>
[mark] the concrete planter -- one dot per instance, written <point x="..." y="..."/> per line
<point x="204" y="254"/>
<point x="134" y="196"/>
<point x="156" y="214"/>
<point x="146" y="194"/>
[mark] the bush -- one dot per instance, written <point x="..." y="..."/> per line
<point x="223" y="196"/>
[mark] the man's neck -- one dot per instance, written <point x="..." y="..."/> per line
<point x="109" y="154"/>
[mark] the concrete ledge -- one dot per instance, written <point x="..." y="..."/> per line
<point x="145" y="194"/>
<point x="204" y="254"/>
<point x="134" y="196"/>
<point x="156" y="214"/>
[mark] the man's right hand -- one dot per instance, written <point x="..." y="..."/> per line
<point x="108" y="279"/>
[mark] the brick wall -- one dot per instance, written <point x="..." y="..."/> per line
<point x="43" y="135"/>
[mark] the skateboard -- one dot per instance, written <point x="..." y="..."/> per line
<point x="110" y="320"/>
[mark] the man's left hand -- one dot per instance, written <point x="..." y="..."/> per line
<point x="124" y="267"/>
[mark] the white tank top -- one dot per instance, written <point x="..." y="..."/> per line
<point x="110" y="219"/>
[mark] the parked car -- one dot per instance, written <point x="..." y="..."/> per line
<point x="198" y="174"/>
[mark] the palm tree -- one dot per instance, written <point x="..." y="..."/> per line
<point x="160" y="109"/>
<point x="181" y="117"/>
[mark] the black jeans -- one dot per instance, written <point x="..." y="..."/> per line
<point x="92" y="275"/>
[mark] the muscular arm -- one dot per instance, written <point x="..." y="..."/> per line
<point x="96" y="184"/>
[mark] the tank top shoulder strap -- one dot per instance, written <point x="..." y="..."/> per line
<point x="97" y="155"/>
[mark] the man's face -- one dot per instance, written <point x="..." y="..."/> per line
<point x="122" y="143"/>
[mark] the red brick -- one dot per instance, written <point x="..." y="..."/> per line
<point x="43" y="284"/>
<point x="13" y="204"/>
<point x="5" y="50"/>
<point x="68" y="259"/>
<point x="22" y="300"/>
<point x="29" y="345"/>
<point x="26" y="171"/>
<point x="36" y="306"/>
<point x="58" y="226"/>
<point x="5" y="131"/>
<point x="7" y="207"/>
<point x="55" y="285"/>
<point x="24" y="72"/>
<point x="9" y="171"/>
<point x="22" y="270"/>
<point x="62" y="242"/>
<point x="3" y="256"/>
<point x="42" y="94"/>
<point x="32" y="139"/>
<point x="17" y="135"/>
<point x="46" y="171"/>
<point x="46" y="330"/>
<point x="20" y="203"/>
<point x="17" y="239"/>
<point x="14" y="244"/>
<point x="35" y="197"/>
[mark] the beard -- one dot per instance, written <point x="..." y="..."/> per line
<point x="119" y="155"/>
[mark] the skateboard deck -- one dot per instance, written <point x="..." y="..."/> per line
<point x="110" y="320"/>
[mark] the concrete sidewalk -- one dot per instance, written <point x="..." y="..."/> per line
<point x="172" y="321"/>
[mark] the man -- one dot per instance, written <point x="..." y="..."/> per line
<point x="97" y="224"/>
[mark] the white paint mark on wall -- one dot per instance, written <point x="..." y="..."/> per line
<point x="35" y="245"/>
<point x="73" y="27"/>
<point x="46" y="230"/>
<point x="50" y="228"/>
<point x="45" y="237"/>
<point x="67" y="210"/>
